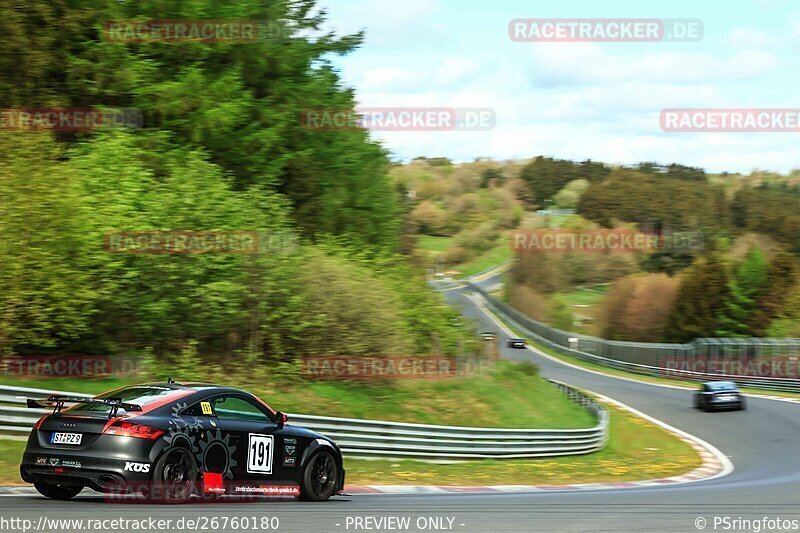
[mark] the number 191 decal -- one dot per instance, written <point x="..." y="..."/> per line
<point x="259" y="454"/>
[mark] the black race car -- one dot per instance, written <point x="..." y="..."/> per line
<point x="714" y="395"/>
<point x="515" y="343"/>
<point x="175" y="440"/>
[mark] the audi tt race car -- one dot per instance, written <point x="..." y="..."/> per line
<point x="714" y="395"/>
<point x="176" y="440"/>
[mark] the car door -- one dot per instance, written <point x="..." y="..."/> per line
<point x="255" y="436"/>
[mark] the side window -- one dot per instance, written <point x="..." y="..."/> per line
<point x="705" y="388"/>
<point x="238" y="408"/>
<point x="203" y="408"/>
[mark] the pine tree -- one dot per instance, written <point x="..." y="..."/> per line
<point x="746" y="286"/>
<point x="703" y="290"/>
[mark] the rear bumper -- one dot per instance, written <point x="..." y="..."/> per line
<point x="724" y="406"/>
<point x="110" y="462"/>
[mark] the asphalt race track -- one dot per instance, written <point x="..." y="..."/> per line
<point x="763" y="443"/>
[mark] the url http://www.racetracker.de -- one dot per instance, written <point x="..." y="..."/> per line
<point x="198" y="523"/>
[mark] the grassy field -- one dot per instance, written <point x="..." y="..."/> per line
<point x="506" y="395"/>
<point x="636" y="450"/>
<point x="496" y="256"/>
<point x="434" y="246"/>
<point x="584" y="296"/>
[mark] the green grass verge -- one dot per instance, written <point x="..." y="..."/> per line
<point x="637" y="450"/>
<point x="581" y="297"/>
<point x="434" y="244"/>
<point x="496" y="256"/>
<point x="506" y="395"/>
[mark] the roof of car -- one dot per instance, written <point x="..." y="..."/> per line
<point x="195" y="386"/>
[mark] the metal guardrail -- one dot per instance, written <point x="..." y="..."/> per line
<point x="381" y="439"/>
<point x="560" y="341"/>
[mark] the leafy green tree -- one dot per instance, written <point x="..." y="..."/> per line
<point x="241" y="102"/>
<point x="46" y="291"/>
<point x="703" y="289"/>
<point x="747" y="284"/>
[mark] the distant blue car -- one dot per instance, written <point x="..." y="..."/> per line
<point x="716" y="395"/>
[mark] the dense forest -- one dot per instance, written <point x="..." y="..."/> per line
<point x="221" y="147"/>
<point x="739" y="279"/>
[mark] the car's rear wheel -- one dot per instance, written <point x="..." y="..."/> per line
<point x="175" y="476"/>
<point x="319" y="477"/>
<point x="742" y="404"/>
<point x="57" y="492"/>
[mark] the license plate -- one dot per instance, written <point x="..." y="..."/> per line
<point x="66" y="438"/>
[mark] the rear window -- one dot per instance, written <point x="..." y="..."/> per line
<point x="722" y="385"/>
<point x="140" y="395"/>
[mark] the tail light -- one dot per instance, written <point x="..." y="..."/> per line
<point x="126" y="429"/>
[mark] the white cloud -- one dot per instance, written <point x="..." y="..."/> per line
<point x="557" y="65"/>
<point x="455" y="70"/>
<point x="383" y="78"/>
<point x="746" y="37"/>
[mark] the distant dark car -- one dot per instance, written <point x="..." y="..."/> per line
<point x="716" y="395"/>
<point x="516" y="343"/>
<point x="186" y="438"/>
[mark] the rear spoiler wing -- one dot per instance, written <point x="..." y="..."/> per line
<point x="57" y="403"/>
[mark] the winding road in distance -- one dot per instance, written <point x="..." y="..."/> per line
<point x="762" y="442"/>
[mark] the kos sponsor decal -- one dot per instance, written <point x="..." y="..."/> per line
<point x="137" y="467"/>
<point x="323" y="442"/>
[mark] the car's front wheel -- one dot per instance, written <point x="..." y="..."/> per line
<point x="175" y="476"/>
<point x="319" y="477"/>
<point x="57" y="492"/>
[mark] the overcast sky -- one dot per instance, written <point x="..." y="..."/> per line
<point x="577" y="100"/>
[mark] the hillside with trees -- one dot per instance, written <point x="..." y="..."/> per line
<point x="222" y="147"/>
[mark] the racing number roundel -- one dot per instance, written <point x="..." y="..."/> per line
<point x="259" y="454"/>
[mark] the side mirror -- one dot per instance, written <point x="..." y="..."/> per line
<point x="281" y="419"/>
